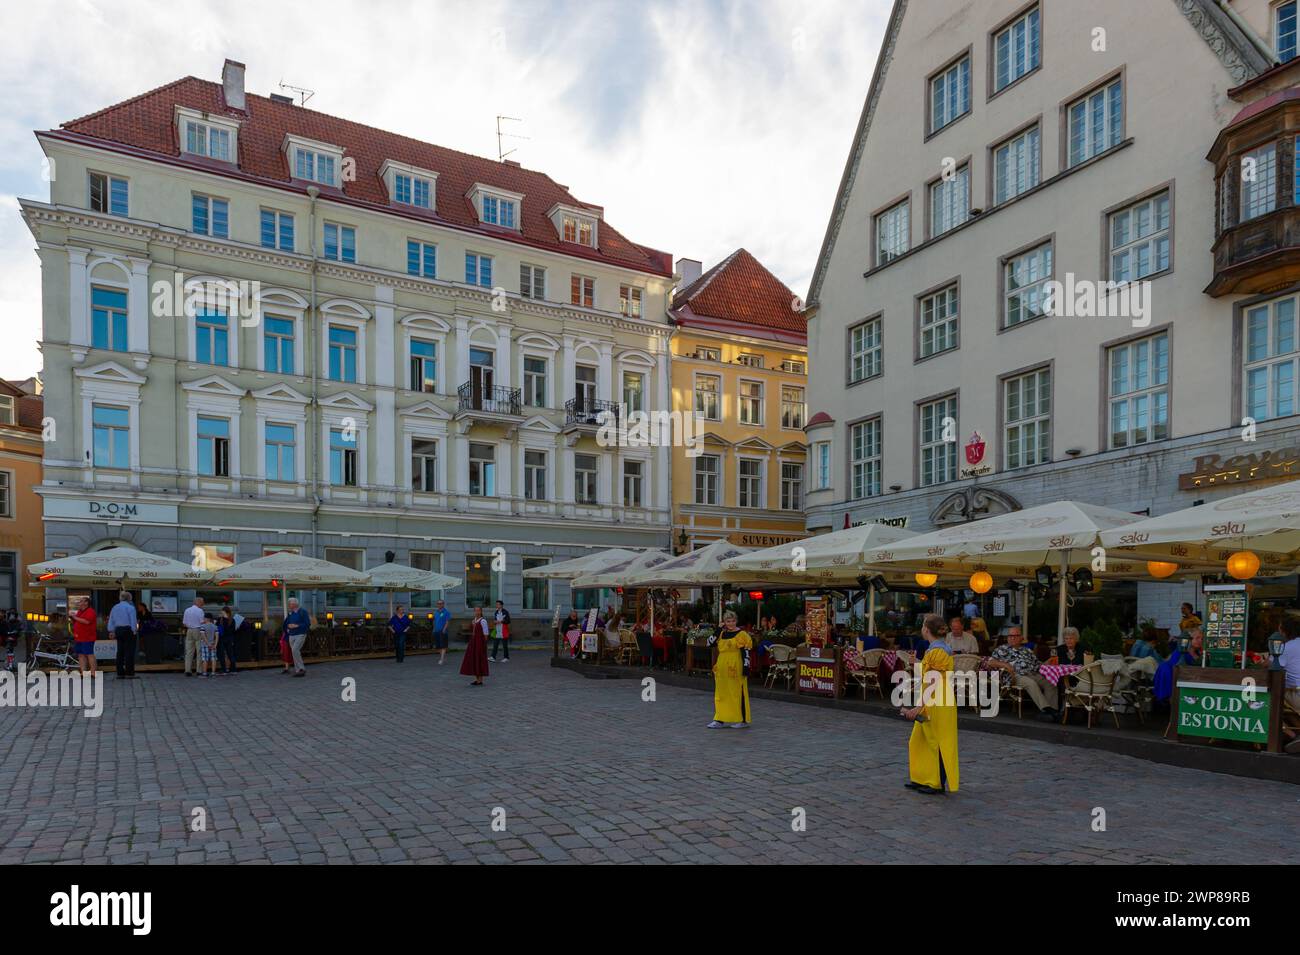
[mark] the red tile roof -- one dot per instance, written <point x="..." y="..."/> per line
<point x="29" y="409"/>
<point x="147" y="123"/>
<point x="738" y="289"/>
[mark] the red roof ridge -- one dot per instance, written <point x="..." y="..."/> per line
<point x="740" y="289"/>
<point x="127" y="102"/>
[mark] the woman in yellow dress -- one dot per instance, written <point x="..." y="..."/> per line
<point x="730" y="686"/>
<point x="932" y="750"/>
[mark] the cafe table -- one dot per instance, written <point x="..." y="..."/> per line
<point x="1053" y="672"/>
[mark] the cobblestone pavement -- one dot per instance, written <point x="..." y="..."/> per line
<point x="584" y="771"/>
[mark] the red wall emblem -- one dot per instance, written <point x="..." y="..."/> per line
<point x="974" y="449"/>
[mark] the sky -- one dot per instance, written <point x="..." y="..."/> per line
<point x="699" y="126"/>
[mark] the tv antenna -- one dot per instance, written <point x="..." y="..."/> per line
<point x="502" y="154"/>
<point x="304" y="94"/>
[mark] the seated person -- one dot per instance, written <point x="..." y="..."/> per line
<point x="612" y="639"/>
<point x="1143" y="648"/>
<point x="980" y="631"/>
<point x="959" y="639"/>
<point x="1019" y="667"/>
<point x="1071" y="651"/>
<point x="1163" y="683"/>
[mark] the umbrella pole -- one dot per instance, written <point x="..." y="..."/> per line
<point x="871" y="612"/>
<point x="1060" y="610"/>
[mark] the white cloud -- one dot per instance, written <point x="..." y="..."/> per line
<point x="699" y="127"/>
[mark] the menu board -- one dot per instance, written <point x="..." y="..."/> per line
<point x="815" y="623"/>
<point x="1224" y="626"/>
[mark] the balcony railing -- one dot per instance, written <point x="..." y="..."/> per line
<point x="592" y="411"/>
<point x="1257" y="255"/>
<point x="502" y="401"/>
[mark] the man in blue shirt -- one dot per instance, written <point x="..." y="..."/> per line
<point x="399" y="623"/>
<point x="296" y="626"/>
<point x="441" y="627"/>
<point x="124" y="625"/>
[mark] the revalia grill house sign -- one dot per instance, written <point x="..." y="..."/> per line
<point x="1211" y="470"/>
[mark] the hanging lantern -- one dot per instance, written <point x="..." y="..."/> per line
<point x="1243" y="565"/>
<point x="1160" y="569"/>
<point x="926" y="580"/>
<point x="981" y="582"/>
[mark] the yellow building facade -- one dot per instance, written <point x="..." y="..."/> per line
<point x="739" y="366"/>
<point x="22" y="530"/>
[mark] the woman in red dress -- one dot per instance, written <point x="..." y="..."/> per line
<point x="475" y="663"/>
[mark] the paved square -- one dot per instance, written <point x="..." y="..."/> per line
<point x="584" y="771"/>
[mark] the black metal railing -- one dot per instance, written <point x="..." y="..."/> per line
<point x="491" y="400"/>
<point x="593" y="411"/>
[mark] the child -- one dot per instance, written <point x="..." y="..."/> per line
<point x="208" y="647"/>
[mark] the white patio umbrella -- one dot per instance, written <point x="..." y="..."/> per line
<point x="394" y="578"/>
<point x="586" y="564"/>
<point x="1266" y="522"/>
<point x="286" y="569"/>
<point x="618" y="573"/>
<point x="116" y="567"/>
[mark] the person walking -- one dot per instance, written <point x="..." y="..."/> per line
<point x="932" y="748"/>
<point x="441" y="629"/>
<point x="296" y="627"/>
<point x="475" y="663"/>
<point x="124" y="625"/>
<point x="501" y="637"/>
<point x="84" y="628"/>
<point x="192" y="621"/>
<point x="399" y="623"/>
<point x="227" y="653"/>
<point x="730" y="675"/>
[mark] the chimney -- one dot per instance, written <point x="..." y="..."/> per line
<point x="689" y="270"/>
<point x="232" y="84"/>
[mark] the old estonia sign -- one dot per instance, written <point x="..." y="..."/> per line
<point x="975" y="465"/>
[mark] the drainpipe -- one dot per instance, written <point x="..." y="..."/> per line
<point x="313" y="419"/>
<point x="1255" y="40"/>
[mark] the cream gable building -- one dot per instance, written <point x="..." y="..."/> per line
<point x="269" y="328"/>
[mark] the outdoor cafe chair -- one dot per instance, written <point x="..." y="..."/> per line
<point x="1012" y="693"/>
<point x="967" y="663"/>
<point x="1092" y="691"/>
<point x="868" y="676"/>
<point x="629" y="651"/>
<point x="782" y="665"/>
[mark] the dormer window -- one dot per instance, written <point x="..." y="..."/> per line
<point x="496" y="206"/>
<point x="576" y="230"/>
<point x="410" y="186"/>
<point x="207" y="136"/>
<point x="313" y="161"/>
<point x="574" y="225"/>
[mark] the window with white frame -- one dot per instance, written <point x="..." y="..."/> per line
<point x="938" y="445"/>
<point x="864" y="350"/>
<point x="277" y="344"/>
<point x="535" y="390"/>
<point x="950" y="201"/>
<point x="314" y="165"/>
<point x="629" y="301"/>
<point x="864" y="459"/>
<point x="1095" y="122"/>
<point x="478" y="270"/>
<point x="1017" y="49"/>
<point x="707" y="354"/>
<point x="1139" y="391"/>
<point x="1027" y="419"/>
<point x="107" y="193"/>
<point x="343" y="457"/>
<point x="577" y="230"/>
<point x="1017" y="165"/>
<point x="6" y="493"/>
<point x="893" y="229"/>
<point x="750" y="360"/>
<point x="277" y="230"/>
<point x="751" y="402"/>
<point x="482" y="469"/>
<point x="1259" y="181"/>
<point x="535" y="475"/>
<point x="212" y="337"/>
<point x="939" y="316"/>
<point x="793" y="366"/>
<point x="412" y="190"/>
<point x="421" y="259"/>
<point x="708" y="397"/>
<point x="424" y="465"/>
<point x="210" y="216"/>
<point x="281" y="451"/>
<point x="108" y="324"/>
<point x="822" y="464"/>
<point x="342" y="353"/>
<point x="1284" y="30"/>
<point x="750" y="476"/>
<point x="205" y="139"/>
<point x="584" y="387"/>
<point x="8" y="413"/>
<point x="708" y="467"/>
<point x="634" y="390"/>
<point x="793" y="407"/>
<point x="585" y="472"/>
<point x="633" y="483"/>
<point x="213" y="457"/>
<point x="1270" y="361"/>
<point x="111" y="436"/>
<point x="950" y="94"/>
<point x="582" y="291"/>
<point x="424" y="365"/>
<point x="1140" y="239"/>
<point x="340" y="242"/>
<point x="532" y="281"/>
<point x="1024" y="284"/>
<point x="791" y="486"/>
<point x="499" y="211"/>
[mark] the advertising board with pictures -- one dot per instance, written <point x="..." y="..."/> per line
<point x="1224" y="628"/>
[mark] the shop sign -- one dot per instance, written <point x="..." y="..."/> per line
<point x="107" y="509"/>
<point x="816" y="675"/>
<point x="1212" y="470"/>
<point x="762" y="540"/>
<point x="1223" y="712"/>
<point x="975" y="448"/>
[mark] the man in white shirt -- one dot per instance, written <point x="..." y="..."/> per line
<point x="192" y="621"/>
